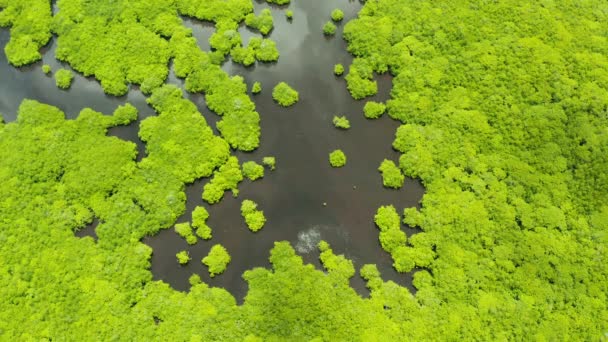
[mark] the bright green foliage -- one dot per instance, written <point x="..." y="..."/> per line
<point x="30" y="22"/>
<point x="360" y="80"/>
<point x="391" y="174"/>
<point x="338" y="69"/>
<point x="183" y="257"/>
<point x="265" y="49"/>
<point x="217" y="260"/>
<point x="284" y="95"/>
<point x="329" y="29"/>
<point x="63" y="78"/>
<point x="46" y="69"/>
<point x="387" y="218"/>
<point x="289" y="14"/>
<point x="262" y="23"/>
<point x="194" y="279"/>
<point x="373" y="110"/>
<point x="253" y="170"/>
<point x="270" y="162"/>
<point x="256" y="88"/>
<point x="254" y="218"/>
<point x="337" y="15"/>
<point x="337" y="266"/>
<point x="227" y="177"/>
<point x="279" y="2"/>
<point x="199" y="218"/>
<point x="341" y="122"/>
<point x="337" y="158"/>
<point x="185" y="230"/>
<point x="505" y="125"/>
<point x="180" y="138"/>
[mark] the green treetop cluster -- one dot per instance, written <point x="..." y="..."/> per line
<point x="262" y="23"/>
<point x="185" y="230"/>
<point x="373" y="110"/>
<point x="46" y="69"/>
<point x="199" y="221"/>
<point x="391" y="174"/>
<point x="341" y="122"/>
<point x="63" y="78"/>
<point x="338" y="69"/>
<point x="227" y="177"/>
<point x="183" y="257"/>
<point x="289" y="14"/>
<point x="270" y="162"/>
<point x="284" y="95"/>
<point x="30" y="23"/>
<point x="279" y="2"/>
<point x="329" y="29"/>
<point x="256" y="88"/>
<point x="337" y="158"/>
<point x="253" y="170"/>
<point x="217" y="260"/>
<point x="254" y="218"/>
<point x="337" y="15"/>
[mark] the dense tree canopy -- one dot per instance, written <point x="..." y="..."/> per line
<point x="337" y="158"/>
<point x="285" y="95"/>
<point x="503" y="109"/>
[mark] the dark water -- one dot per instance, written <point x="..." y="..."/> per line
<point x="300" y="137"/>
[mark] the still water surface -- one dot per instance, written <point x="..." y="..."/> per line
<point x="300" y="137"/>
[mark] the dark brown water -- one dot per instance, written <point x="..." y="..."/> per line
<point x="300" y="137"/>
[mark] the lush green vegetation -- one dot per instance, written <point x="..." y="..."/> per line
<point x="338" y="69"/>
<point x="337" y="15"/>
<point x="270" y="162"/>
<point x="254" y="218"/>
<point x="329" y="29"/>
<point x="253" y="170"/>
<point x="256" y="88"/>
<point x="289" y="14"/>
<point x="262" y="23"/>
<point x="503" y="110"/>
<point x="373" y="110"/>
<point x="63" y="78"/>
<point x="183" y="257"/>
<point x="227" y="177"/>
<point x="341" y="122"/>
<point x="337" y="158"/>
<point x="217" y="260"/>
<point x="185" y="230"/>
<point x="30" y="23"/>
<point x="199" y="221"/>
<point x="46" y="69"/>
<point x="285" y="95"/>
<point x="391" y="174"/>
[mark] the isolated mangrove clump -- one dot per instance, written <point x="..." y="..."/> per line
<point x="337" y="15"/>
<point x="262" y="23"/>
<point x="254" y="218"/>
<point x="284" y="95"/>
<point x="199" y="221"/>
<point x="185" y="230"/>
<point x="270" y="162"/>
<point x="63" y="78"/>
<point x="338" y="69"/>
<point x="183" y="257"/>
<point x="46" y="69"/>
<point x="329" y="29"/>
<point x="256" y="88"/>
<point x="337" y="158"/>
<point x="253" y="170"/>
<point x="341" y="122"/>
<point x="217" y="260"/>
